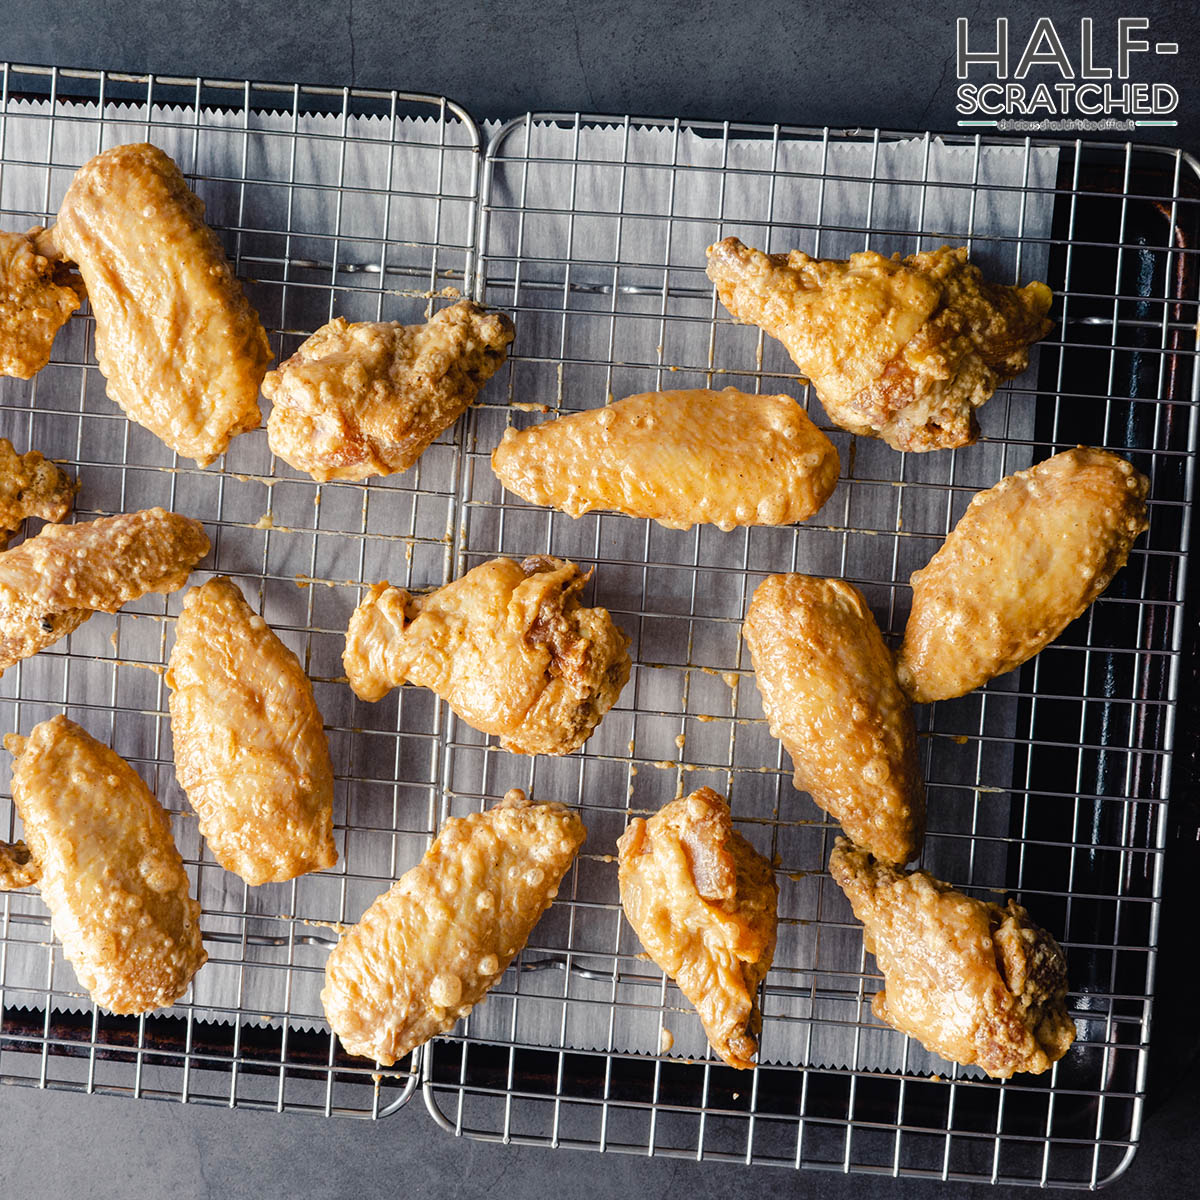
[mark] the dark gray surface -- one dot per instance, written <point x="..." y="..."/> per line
<point x="848" y="65"/>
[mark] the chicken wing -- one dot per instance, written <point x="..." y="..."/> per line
<point x="680" y="458"/>
<point x="250" y="747"/>
<point x="52" y="583"/>
<point x="427" y="951"/>
<point x="368" y="398"/>
<point x="1027" y="558"/>
<point x="902" y="349"/>
<point x="703" y="903"/>
<point x="109" y="869"/>
<point x="180" y="346"/>
<point x="508" y="646"/>
<point x="830" y="695"/>
<point x="30" y="487"/>
<point x="975" y="982"/>
<point x="37" y="297"/>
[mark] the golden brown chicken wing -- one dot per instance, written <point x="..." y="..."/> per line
<point x="368" y="398"/>
<point x="830" y="694"/>
<point x="680" y="458"/>
<point x="703" y="902"/>
<point x="17" y="868"/>
<point x="30" y="487"/>
<point x="1027" y="558"/>
<point x="427" y="951"/>
<point x="902" y="349"/>
<point x="508" y="646"/>
<point x="52" y="583"/>
<point x="250" y="749"/>
<point x="37" y="297"/>
<point x="975" y="982"/>
<point x="108" y="868"/>
<point x="180" y="346"/>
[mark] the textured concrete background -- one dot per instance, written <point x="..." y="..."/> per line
<point x="845" y="64"/>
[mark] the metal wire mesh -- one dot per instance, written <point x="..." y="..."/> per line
<point x="1050" y="784"/>
<point x="311" y="191"/>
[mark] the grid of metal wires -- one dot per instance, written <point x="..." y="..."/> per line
<point x="1051" y="784"/>
<point x="311" y="191"/>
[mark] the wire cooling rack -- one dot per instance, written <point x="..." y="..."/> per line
<point x="1051" y="783"/>
<point x="312" y="192"/>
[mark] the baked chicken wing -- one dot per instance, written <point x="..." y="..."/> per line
<point x="37" y="297"/>
<point x="978" y="983"/>
<point x="508" y="646"/>
<point x="703" y="902"/>
<point x="429" y="949"/>
<point x="1028" y="557"/>
<point x="367" y="399"/>
<point x="107" y="867"/>
<point x="680" y="458"/>
<point x="250" y="748"/>
<point x="830" y="695"/>
<point x="52" y="583"/>
<point x="30" y="487"/>
<point x="901" y="349"/>
<point x="180" y="346"/>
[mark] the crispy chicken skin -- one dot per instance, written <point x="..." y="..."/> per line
<point x="830" y="695"/>
<point x="366" y="399"/>
<point x="1028" y="557"/>
<point x="508" y="646"/>
<point x="30" y="487"/>
<point x="180" y="346"/>
<point x="703" y="903"/>
<point x="109" y="869"/>
<point x="429" y="949"/>
<point x="680" y="458"/>
<point x="37" y="297"/>
<point x="902" y="349"/>
<point x="250" y="747"/>
<point x="52" y="583"/>
<point x="975" y="982"/>
<point x="17" y="868"/>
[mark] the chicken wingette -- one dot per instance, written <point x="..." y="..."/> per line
<point x="681" y="458"/>
<point x="427" y="951"/>
<point x="37" y="297"/>
<point x="107" y="868"/>
<point x="182" y="350"/>
<point x="52" y="583"/>
<point x="703" y="903"/>
<point x="250" y="748"/>
<point x="1028" y="557"/>
<point x="830" y="694"/>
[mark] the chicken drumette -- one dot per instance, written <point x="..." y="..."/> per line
<point x="978" y="983"/>
<point x="101" y="853"/>
<point x="365" y="399"/>
<point x="703" y="902"/>
<point x="902" y="349"/>
<point x="250" y="748"/>
<point x="427" y="951"/>
<point x="508" y="646"/>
